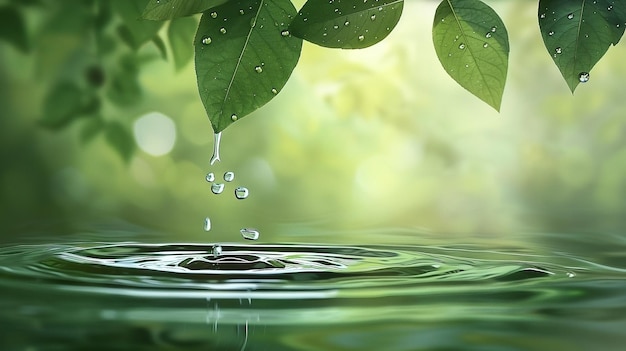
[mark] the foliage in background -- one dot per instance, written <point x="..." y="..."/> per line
<point x="245" y="50"/>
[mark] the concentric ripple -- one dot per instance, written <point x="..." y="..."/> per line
<point x="254" y="268"/>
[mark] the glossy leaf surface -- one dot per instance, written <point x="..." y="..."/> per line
<point x="577" y="33"/>
<point x="244" y="56"/>
<point x="347" y="24"/>
<point x="472" y="44"/>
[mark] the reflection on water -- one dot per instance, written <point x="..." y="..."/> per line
<point x="303" y="297"/>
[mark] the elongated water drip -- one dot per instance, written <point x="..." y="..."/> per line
<point x="216" y="148"/>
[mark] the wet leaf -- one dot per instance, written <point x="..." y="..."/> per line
<point x="244" y="56"/>
<point x="577" y="33"/>
<point x="135" y="30"/>
<point x="159" y="10"/>
<point x="472" y="44"/>
<point x="13" y="28"/>
<point x="120" y="139"/>
<point x="180" y="34"/>
<point x="346" y="24"/>
<point x="62" y="105"/>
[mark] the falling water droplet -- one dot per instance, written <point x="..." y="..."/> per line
<point x="583" y="77"/>
<point x="229" y="176"/>
<point x="285" y="33"/>
<point x="217" y="139"/>
<point x="249" y="233"/>
<point x="207" y="224"/>
<point x="217" y="250"/>
<point x="217" y="188"/>
<point x="206" y="40"/>
<point x="570" y="16"/>
<point x="233" y="117"/>
<point x="258" y="69"/>
<point x="223" y="30"/>
<point x="210" y="177"/>
<point x="213" y="14"/>
<point x="241" y="193"/>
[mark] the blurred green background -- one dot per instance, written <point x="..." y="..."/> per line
<point x="366" y="139"/>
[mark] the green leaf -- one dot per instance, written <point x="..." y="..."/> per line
<point x="120" y="139"/>
<point x="180" y="34"/>
<point x="473" y="46"/>
<point x="577" y="33"/>
<point x="159" y="10"/>
<point x="13" y="28"/>
<point x="123" y="88"/>
<point x="91" y="128"/>
<point x="160" y="44"/>
<point x="135" y="31"/>
<point x="244" y="56"/>
<point x="346" y="24"/>
<point x="62" y="105"/>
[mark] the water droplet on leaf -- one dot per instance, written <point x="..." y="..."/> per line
<point x="462" y="46"/>
<point x="361" y="37"/>
<point x="233" y="117"/>
<point x="213" y="14"/>
<point x="223" y="30"/>
<point x="583" y="77"/>
<point x="285" y="33"/>
<point x="258" y="69"/>
<point x="570" y="16"/>
<point x="206" y="40"/>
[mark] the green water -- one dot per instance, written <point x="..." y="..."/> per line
<point x="86" y="295"/>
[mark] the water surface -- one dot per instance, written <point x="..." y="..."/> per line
<point x="186" y="296"/>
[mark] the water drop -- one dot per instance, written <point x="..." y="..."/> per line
<point x="488" y="35"/>
<point x="207" y="224"/>
<point x="570" y="16"/>
<point x="336" y="26"/>
<point x="210" y="177"/>
<point x="346" y="23"/>
<point x="462" y="46"/>
<point x="217" y="250"/>
<point x="583" y="77"/>
<point x="241" y="193"/>
<point x="373" y="17"/>
<point x="217" y="188"/>
<point x="242" y="12"/>
<point x="485" y="45"/>
<point x="570" y="274"/>
<point x="249" y="233"/>
<point x="217" y="138"/>
<point x="223" y="30"/>
<point x="551" y="33"/>
<point x="274" y="91"/>
<point x="213" y="14"/>
<point x="229" y="176"/>
<point x="361" y="38"/>
<point x="206" y="40"/>
<point x="494" y="29"/>
<point x="233" y="117"/>
<point x="285" y="33"/>
<point x="558" y="50"/>
<point x="258" y="69"/>
<point x="610" y="7"/>
<point x="542" y="16"/>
